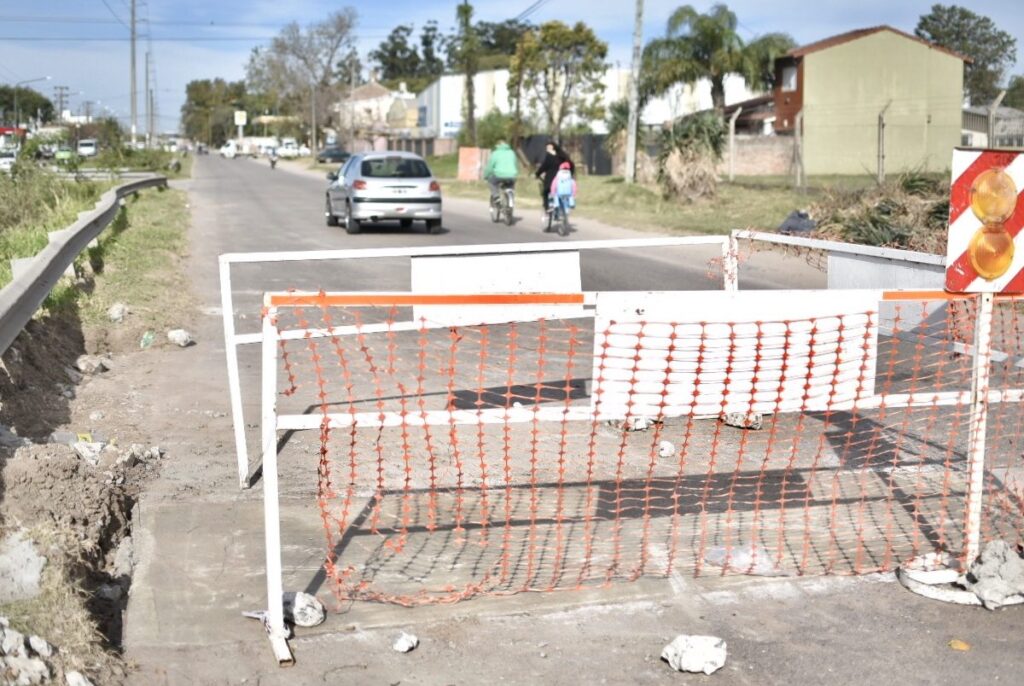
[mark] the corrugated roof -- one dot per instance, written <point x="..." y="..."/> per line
<point x="833" y="41"/>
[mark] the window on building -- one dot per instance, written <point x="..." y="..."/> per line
<point x="789" y="78"/>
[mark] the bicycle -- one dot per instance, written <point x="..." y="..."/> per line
<point x="503" y="206"/>
<point x="558" y="214"/>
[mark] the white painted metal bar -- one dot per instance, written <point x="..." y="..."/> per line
<point x="838" y="247"/>
<point x="234" y="381"/>
<point x="271" y="507"/>
<point x="978" y="426"/>
<point x="731" y="263"/>
<point x="484" y="249"/>
<point x="520" y="415"/>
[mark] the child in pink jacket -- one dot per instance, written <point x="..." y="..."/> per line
<point x="564" y="186"/>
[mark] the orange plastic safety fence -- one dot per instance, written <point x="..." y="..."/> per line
<point x="463" y="460"/>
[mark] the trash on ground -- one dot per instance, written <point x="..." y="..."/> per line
<point x="303" y="609"/>
<point x="695" y="654"/>
<point x="957" y="644"/>
<point x="405" y="643"/>
<point x="797" y="223"/>
<point x="746" y="559"/>
<point x="666" y="449"/>
<point x="147" y="339"/>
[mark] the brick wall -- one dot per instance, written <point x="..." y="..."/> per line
<point x="760" y="156"/>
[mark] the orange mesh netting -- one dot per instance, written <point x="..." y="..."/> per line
<point x="497" y="458"/>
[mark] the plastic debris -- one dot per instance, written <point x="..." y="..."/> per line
<point x="405" y="643"/>
<point x="695" y="654"/>
<point x="147" y="340"/>
<point x="957" y="644"/>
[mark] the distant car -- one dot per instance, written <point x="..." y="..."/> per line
<point x="383" y="186"/>
<point x="7" y="159"/>
<point x="87" y="147"/>
<point x="333" y="155"/>
<point x="63" y="154"/>
<point x="229" y="150"/>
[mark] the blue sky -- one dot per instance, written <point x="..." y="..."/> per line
<point x="90" y="53"/>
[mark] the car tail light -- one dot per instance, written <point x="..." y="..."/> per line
<point x="435" y="187"/>
<point x="359" y="185"/>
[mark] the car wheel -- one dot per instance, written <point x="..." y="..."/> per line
<point x="433" y="226"/>
<point x="352" y="225"/>
<point x="332" y="220"/>
<point x="405" y="223"/>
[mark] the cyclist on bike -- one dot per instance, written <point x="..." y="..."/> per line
<point x="554" y="158"/>
<point x="502" y="168"/>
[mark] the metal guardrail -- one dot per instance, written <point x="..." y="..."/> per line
<point x="22" y="297"/>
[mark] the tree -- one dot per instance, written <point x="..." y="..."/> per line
<point x="465" y="48"/>
<point x="301" y="64"/>
<point x="30" y="103"/>
<point x="559" y="69"/>
<point x="706" y="46"/>
<point x="397" y="57"/>
<point x="991" y="50"/>
<point x="431" y="44"/>
<point x="208" y="112"/>
<point x="1015" y="93"/>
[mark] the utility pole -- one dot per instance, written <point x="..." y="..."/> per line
<point x="61" y="95"/>
<point x="87" y="110"/>
<point x="881" y="143"/>
<point x="634" y="93"/>
<point x="150" y="124"/>
<point x="992" y="119"/>
<point x="732" y="143"/>
<point x="312" y="134"/>
<point x="798" y="150"/>
<point x="352" y="106"/>
<point x="149" y="130"/>
<point x="135" y="111"/>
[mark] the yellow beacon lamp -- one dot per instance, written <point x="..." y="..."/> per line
<point x="993" y="199"/>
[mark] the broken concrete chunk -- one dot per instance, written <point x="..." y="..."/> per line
<point x="76" y="679"/>
<point x="303" y="609"/>
<point x="12" y="642"/>
<point x="21" y="568"/>
<point x="744" y="420"/>
<point x="405" y="642"/>
<point x="997" y="575"/>
<point x="40" y="647"/>
<point x="639" y="424"/>
<point x="29" y="670"/>
<point x="695" y="654"/>
<point x="117" y="312"/>
<point x="91" y="364"/>
<point x="89" y="451"/>
<point x="124" y="558"/>
<point x="180" y="337"/>
<point x="666" y="449"/>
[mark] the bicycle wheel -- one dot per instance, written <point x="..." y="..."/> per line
<point x="563" y="227"/>
<point x="495" y="213"/>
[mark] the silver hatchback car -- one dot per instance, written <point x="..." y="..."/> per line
<point x="383" y="186"/>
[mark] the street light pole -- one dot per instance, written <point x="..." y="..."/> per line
<point x="17" y="112"/>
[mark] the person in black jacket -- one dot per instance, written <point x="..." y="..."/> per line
<point x="554" y="156"/>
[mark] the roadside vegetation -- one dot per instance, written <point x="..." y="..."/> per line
<point x="35" y="202"/>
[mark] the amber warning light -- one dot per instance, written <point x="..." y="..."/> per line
<point x="986" y="214"/>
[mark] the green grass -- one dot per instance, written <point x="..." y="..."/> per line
<point x="140" y="263"/>
<point x="610" y="200"/>
<point x="444" y="166"/>
<point x="36" y="202"/>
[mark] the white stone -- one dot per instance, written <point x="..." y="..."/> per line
<point x="124" y="558"/>
<point x="76" y="679"/>
<point x="40" y="647"/>
<point x="30" y="670"/>
<point x="117" y="312"/>
<point x="9" y="439"/>
<point x="179" y="337"/>
<point x="666" y="449"/>
<point x="695" y="654"/>
<point x="639" y="424"/>
<point x="96" y="416"/>
<point x="21" y="568"/>
<point x="91" y="364"/>
<point x="744" y="420"/>
<point x="13" y="643"/>
<point x="303" y="609"/>
<point x="90" y="452"/>
<point x="405" y="642"/>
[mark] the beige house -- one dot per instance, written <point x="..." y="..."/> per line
<point x="844" y="84"/>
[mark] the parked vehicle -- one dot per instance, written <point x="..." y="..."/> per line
<point x="332" y="155"/>
<point x="229" y="150"/>
<point x="87" y="147"/>
<point x="383" y="186"/>
<point x="63" y="154"/>
<point x="7" y="159"/>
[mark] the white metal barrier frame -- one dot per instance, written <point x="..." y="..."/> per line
<point x="232" y="339"/>
<point x="978" y="398"/>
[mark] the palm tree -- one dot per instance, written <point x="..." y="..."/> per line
<point x="699" y="46"/>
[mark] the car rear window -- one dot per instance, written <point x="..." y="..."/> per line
<point x="394" y="168"/>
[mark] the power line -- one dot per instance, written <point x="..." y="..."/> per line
<point x="159" y="39"/>
<point x="113" y="13"/>
<point x="36" y="19"/>
<point x="531" y="9"/>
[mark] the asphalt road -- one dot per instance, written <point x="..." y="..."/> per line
<point x="259" y="209"/>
